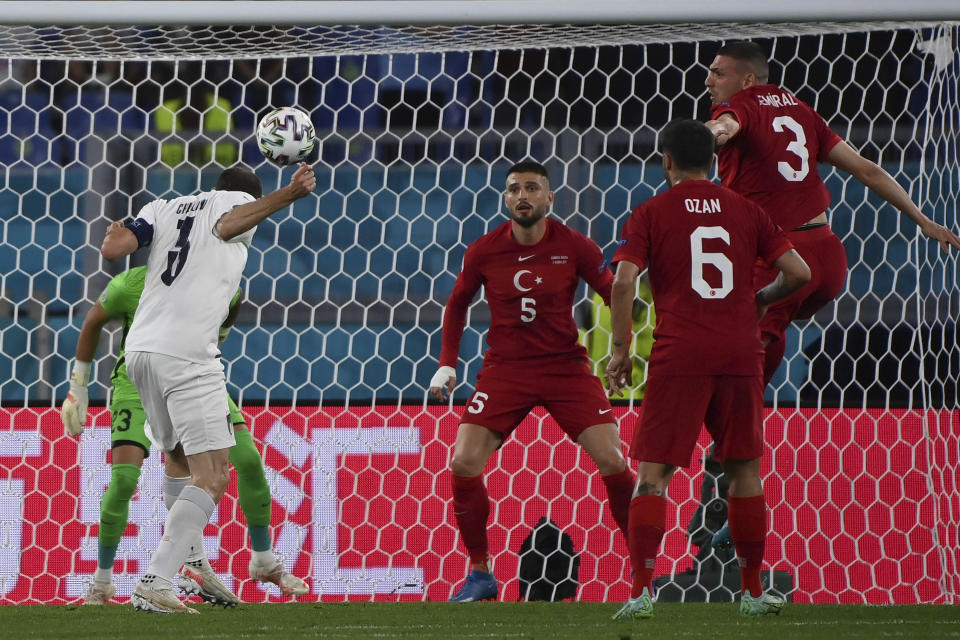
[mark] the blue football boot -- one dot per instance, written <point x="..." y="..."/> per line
<point x="479" y="586"/>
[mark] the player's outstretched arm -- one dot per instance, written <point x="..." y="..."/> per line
<point x="246" y="216"/>
<point x="619" y="369"/>
<point x="73" y="412"/>
<point x="845" y="157"/>
<point x="725" y="127"/>
<point x="794" y="273"/>
<point x="119" y="241"/>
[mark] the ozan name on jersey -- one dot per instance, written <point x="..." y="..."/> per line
<point x="702" y="205"/>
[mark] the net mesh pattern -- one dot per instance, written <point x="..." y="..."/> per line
<point x="344" y="292"/>
<point x="224" y="42"/>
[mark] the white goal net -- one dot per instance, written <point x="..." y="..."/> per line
<point x="339" y="331"/>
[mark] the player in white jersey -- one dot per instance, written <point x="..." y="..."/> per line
<point x="198" y="249"/>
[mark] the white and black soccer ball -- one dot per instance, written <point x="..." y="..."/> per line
<point x="286" y="136"/>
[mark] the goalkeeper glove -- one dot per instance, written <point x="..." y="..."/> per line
<point x="222" y="335"/>
<point x="73" y="413"/>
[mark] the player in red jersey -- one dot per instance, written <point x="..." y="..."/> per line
<point x="770" y="144"/>
<point x="529" y="268"/>
<point x="699" y="242"/>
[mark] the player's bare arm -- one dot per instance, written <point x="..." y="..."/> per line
<point x="724" y="128"/>
<point x="619" y="371"/>
<point x="89" y="339"/>
<point x="73" y="412"/>
<point x="246" y="216"/>
<point x="794" y="273"/>
<point x="845" y="157"/>
<point x="119" y="242"/>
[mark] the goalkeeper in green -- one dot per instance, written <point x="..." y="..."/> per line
<point x="130" y="446"/>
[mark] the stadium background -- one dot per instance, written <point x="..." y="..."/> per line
<point x="340" y="329"/>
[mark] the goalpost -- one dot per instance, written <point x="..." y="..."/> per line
<point x="339" y="333"/>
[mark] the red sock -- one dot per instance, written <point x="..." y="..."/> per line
<point x="619" y="489"/>
<point x="471" y="508"/>
<point x="648" y="521"/>
<point x="748" y="528"/>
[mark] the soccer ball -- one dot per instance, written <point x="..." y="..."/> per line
<point x="286" y="136"/>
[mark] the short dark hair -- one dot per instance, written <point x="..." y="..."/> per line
<point x="690" y="143"/>
<point x="749" y="53"/>
<point x="240" y="179"/>
<point x="529" y="166"/>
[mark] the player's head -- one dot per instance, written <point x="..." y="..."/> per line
<point x="240" y="179"/>
<point x="687" y="148"/>
<point x="738" y="65"/>
<point x="527" y="195"/>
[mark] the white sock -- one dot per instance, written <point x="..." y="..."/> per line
<point x="197" y="555"/>
<point x="103" y="575"/>
<point x="264" y="558"/>
<point x="184" y="527"/>
<point x="172" y="488"/>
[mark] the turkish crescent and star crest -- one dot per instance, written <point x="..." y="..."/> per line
<point x="519" y="285"/>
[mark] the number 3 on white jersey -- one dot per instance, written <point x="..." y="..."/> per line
<point x="796" y="146"/>
<point x="699" y="257"/>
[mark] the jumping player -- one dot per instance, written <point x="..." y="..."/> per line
<point x="198" y="249"/>
<point x="130" y="446"/>
<point x="770" y="143"/>
<point x="769" y="146"/>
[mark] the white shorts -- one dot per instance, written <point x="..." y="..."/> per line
<point x="185" y="402"/>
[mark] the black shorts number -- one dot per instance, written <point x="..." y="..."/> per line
<point x="121" y="421"/>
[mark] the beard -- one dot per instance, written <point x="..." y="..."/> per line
<point x="528" y="220"/>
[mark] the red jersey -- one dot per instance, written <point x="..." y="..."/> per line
<point x="773" y="159"/>
<point x="530" y="290"/>
<point x="700" y="243"/>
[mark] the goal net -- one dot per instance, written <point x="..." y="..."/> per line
<point x="340" y="328"/>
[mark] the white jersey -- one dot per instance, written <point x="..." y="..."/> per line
<point x="191" y="275"/>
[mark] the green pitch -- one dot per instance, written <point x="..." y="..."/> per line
<point x="557" y="621"/>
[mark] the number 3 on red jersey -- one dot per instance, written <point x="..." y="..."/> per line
<point x="796" y="146"/>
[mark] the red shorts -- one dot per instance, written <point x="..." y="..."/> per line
<point x="824" y="253"/>
<point x="505" y="394"/>
<point x="675" y="407"/>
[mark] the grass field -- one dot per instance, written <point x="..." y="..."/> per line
<point x="426" y="621"/>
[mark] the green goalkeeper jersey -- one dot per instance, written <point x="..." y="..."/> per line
<point x="120" y="300"/>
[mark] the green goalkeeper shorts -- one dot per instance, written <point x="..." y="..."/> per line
<point x="127" y="420"/>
